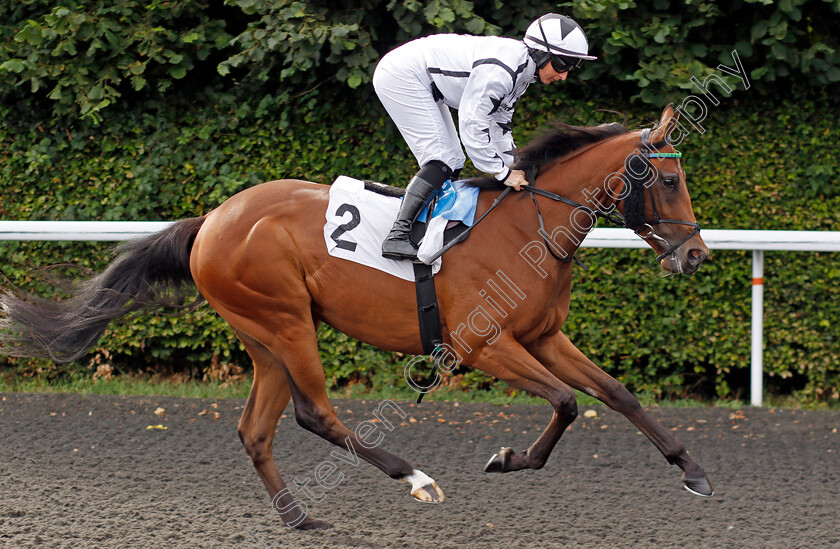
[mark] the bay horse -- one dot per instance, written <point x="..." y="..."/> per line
<point x="260" y="261"/>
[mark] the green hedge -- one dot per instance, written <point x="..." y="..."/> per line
<point x="754" y="168"/>
<point x="85" y="57"/>
<point x="177" y="147"/>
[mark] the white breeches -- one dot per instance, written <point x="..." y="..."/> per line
<point x="426" y="125"/>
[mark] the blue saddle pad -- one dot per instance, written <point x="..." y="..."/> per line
<point x="456" y="202"/>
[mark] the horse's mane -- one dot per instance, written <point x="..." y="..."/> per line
<point x="559" y="140"/>
<point x="563" y="139"/>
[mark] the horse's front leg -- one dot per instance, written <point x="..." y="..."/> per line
<point x="566" y="362"/>
<point x="508" y="361"/>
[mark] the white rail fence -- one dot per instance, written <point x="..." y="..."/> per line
<point x="756" y="241"/>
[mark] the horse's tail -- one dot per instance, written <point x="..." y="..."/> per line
<point x="149" y="271"/>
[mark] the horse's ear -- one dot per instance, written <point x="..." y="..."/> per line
<point x="665" y="124"/>
<point x="667" y="114"/>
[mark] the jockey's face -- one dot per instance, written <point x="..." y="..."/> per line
<point x="549" y="75"/>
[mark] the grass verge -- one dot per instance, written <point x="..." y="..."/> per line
<point x="178" y="387"/>
<point x="128" y="385"/>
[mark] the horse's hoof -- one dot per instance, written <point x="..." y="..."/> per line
<point x="313" y="524"/>
<point x="424" y="488"/>
<point x="430" y="493"/>
<point x="498" y="461"/>
<point x="698" y="486"/>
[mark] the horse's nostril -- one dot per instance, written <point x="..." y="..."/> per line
<point x="696" y="255"/>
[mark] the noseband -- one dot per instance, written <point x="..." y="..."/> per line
<point x="634" y="201"/>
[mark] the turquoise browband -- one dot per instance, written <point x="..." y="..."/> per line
<point x="646" y="142"/>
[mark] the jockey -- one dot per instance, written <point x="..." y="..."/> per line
<point x="482" y="77"/>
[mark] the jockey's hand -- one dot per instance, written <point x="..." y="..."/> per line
<point x="516" y="179"/>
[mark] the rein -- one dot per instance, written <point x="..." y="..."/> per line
<point x="643" y="230"/>
<point x="464" y="234"/>
<point x="531" y="177"/>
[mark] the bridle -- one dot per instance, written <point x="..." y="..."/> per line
<point x="645" y="229"/>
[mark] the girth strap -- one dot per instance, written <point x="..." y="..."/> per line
<point x="427" y="308"/>
<point x="428" y="313"/>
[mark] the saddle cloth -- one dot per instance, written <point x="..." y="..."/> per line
<point x="357" y="221"/>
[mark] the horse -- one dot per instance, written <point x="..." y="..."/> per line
<point x="261" y="262"/>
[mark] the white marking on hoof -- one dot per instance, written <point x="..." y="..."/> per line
<point x="699" y="483"/>
<point x="496" y="462"/>
<point x="424" y="488"/>
<point x="698" y="493"/>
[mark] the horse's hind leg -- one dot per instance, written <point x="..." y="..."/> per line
<point x="269" y="396"/>
<point x="296" y="346"/>
<point x="566" y="361"/>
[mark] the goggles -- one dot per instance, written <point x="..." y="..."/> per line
<point x="563" y="63"/>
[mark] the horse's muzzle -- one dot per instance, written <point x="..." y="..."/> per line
<point x="687" y="258"/>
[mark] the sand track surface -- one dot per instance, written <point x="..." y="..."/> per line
<point x="100" y="472"/>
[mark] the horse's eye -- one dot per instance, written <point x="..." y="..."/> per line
<point x="670" y="181"/>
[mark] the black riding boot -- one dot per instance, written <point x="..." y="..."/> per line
<point x="398" y="244"/>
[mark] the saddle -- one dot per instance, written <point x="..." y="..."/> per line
<point x="454" y="228"/>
